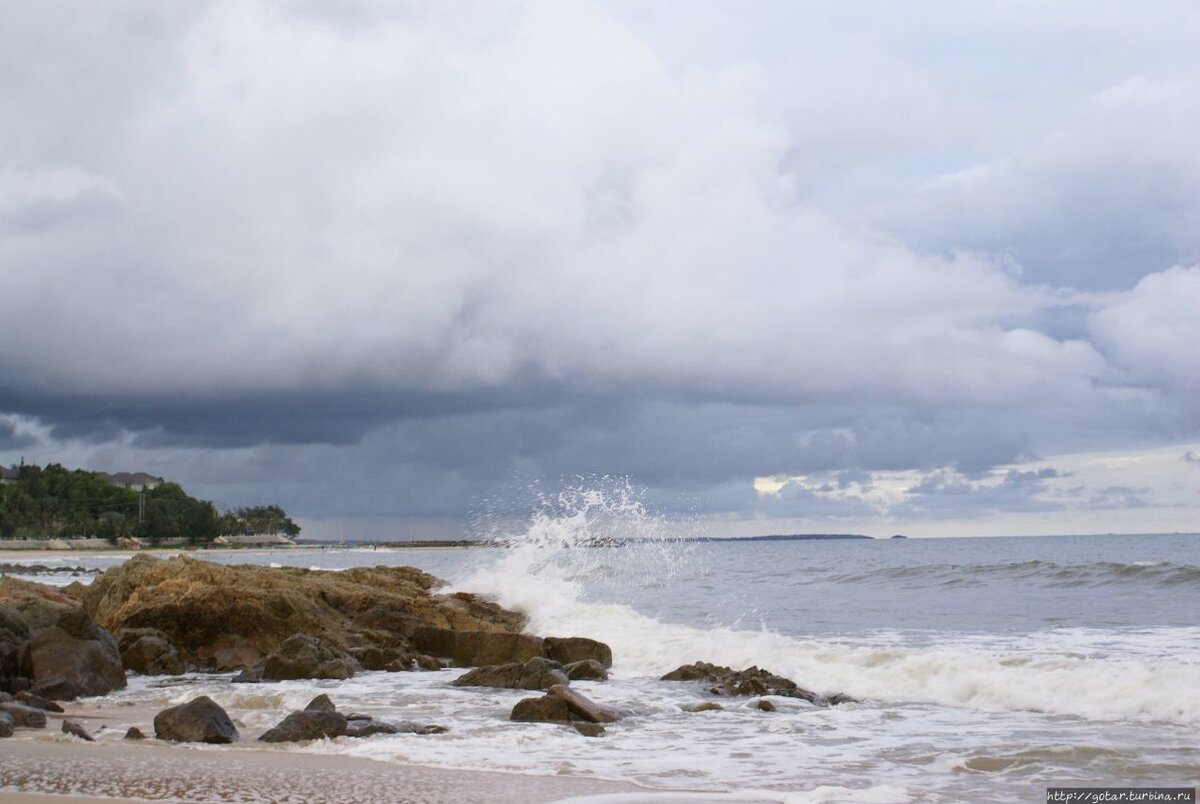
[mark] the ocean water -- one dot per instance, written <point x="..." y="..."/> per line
<point x="986" y="669"/>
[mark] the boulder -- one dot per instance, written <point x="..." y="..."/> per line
<point x="23" y="716"/>
<point x="229" y="617"/>
<point x="200" y="720"/>
<point x="583" y="707"/>
<point x="134" y="733"/>
<point x="477" y="648"/>
<point x="751" y="681"/>
<point x="74" y="729"/>
<point x="147" y="651"/>
<point x="321" y="703"/>
<point x="303" y="656"/>
<point x="7" y="724"/>
<point x="586" y="670"/>
<point x="534" y="674"/>
<point x="568" y="650"/>
<point x="366" y="726"/>
<point x="546" y="709"/>
<point x="37" y="701"/>
<point x="306" y="725"/>
<point x="54" y="647"/>
<point x="764" y="705"/>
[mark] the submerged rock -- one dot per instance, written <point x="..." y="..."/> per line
<point x="589" y="729"/>
<point x="707" y="706"/>
<point x="306" y="725"/>
<point x="751" y="681"/>
<point x="7" y="724"/>
<point x="134" y="733"/>
<point x="200" y="720"/>
<point x="561" y="704"/>
<point x="586" y="670"/>
<point x="534" y="674"/>
<point x="49" y="644"/>
<point x="74" y="729"/>
<point x="25" y="717"/>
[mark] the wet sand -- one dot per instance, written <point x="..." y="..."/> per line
<point x="53" y="765"/>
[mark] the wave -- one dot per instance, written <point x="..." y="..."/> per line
<point x="1051" y="672"/>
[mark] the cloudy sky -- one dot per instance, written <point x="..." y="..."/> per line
<point x="930" y="268"/>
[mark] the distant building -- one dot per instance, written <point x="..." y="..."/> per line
<point x="135" y="481"/>
<point x="8" y="476"/>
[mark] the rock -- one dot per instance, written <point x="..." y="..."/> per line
<point x="147" y="651"/>
<point x="134" y="733"/>
<point x="365" y="727"/>
<point x="7" y="724"/>
<point x="200" y="720"/>
<point x="306" y="725"/>
<point x="37" y="702"/>
<point x="25" y="716"/>
<point x="752" y="681"/>
<point x="229" y="617"/>
<point x="477" y="648"/>
<point x="569" y="650"/>
<point x="73" y="728"/>
<point x="546" y="709"/>
<point x="707" y="706"/>
<point x="589" y="729"/>
<point x="53" y="646"/>
<point x="582" y="707"/>
<point x="840" y="698"/>
<point x="586" y="670"/>
<point x="303" y="656"/>
<point x="251" y="675"/>
<point x="764" y="705"/>
<point x="535" y="674"/>
<point x="320" y="704"/>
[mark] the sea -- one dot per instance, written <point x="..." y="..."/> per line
<point x="984" y="669"/>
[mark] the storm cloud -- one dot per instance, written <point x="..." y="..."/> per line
<point x="381" y="260"/>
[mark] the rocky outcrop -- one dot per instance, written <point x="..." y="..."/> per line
<point x="230" y="617"/>
<point x="751" y="681"/>
<point x="149" y="652"/>
<point x="562" y="704"/>
<point x="200" y="720"/>
<point x="569" y="650"/>
<point x="534" y="674"/>
<point x="470" y="648"/>
<point x="310" y="724"/>
<point x="50" y="645"/>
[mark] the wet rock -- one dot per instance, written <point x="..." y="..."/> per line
<point x="584" y="708"/>
<point x="134" y="733"/>
<point x="251" y="675"/>
<point x="147" y="651"/>
<point x="589" y="729"/>
<point x="321" y="703"/>
<point x="534" y="674"/>
<point x="751" y="681"/>
<point x="73" y="728"/>
<point x="200" y="720"/>
<point x="365" y="727"/>
<point x="586" y="670"/>
<point x="306" y="725"/>
<point x="568" y="650"/>
<point x="546" y="709"/>
<point x="7" y="724"/>
<point x="707" y="706"/>
<point x="764" y="705"/>
<point x="25" y="717"/>
<point x="477" y="648"/>
<point x="229" y="617"/>
<point x="840" y="698"/>
<point x="37" y="701"/>
<point x="53" y="646"/>
<point x="303" y="656"/>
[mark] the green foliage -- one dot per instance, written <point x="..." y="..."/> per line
<point x="57" y="502"/>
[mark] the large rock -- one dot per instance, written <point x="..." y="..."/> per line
<point x="200" y="720"/>
<point x="303" y="656"/>
<point x="147" y="651"/>
<point x="76" y="729"/>
<point x="586" y="670"/>
<point x="229" y="617"/>
<point x="37" y="702"/>
<point x="563" y="705"/>
<point x="750" y="682"/>
<point x="53" y="646"/>
<point x="310" y="724"/>
<point x="23" y="716"/>
<point x="535" y="674"/>
<point x="568" y="650"/>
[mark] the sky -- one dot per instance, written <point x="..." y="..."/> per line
<point x="928" y="268"/>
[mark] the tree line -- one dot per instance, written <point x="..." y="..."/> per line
<point x="55" y="502"/>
